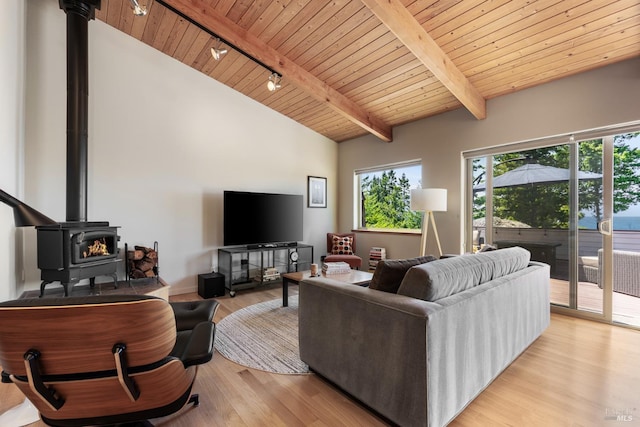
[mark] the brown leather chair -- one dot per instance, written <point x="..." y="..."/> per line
<point x="105" y="360"/>
<point x="350" y="257"/>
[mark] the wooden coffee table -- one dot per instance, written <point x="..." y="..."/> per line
<point x="354" y="277"/>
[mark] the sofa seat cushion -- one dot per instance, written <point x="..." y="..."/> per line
<point x="445" y="277"/>
<point x="390" y="272"/>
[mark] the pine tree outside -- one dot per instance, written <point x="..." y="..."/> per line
<point x="385" y="198"/>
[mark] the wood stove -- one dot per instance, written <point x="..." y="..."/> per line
<point x="77" y="249"/>
<point x="71" y="251"/>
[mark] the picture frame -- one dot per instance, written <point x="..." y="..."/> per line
<point x="316" y="192"/>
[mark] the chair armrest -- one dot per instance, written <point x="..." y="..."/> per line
<point x="189" y="313"/>
<point x="195" y="347"/>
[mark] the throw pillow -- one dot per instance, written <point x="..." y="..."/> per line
<point x="342" y="245"/>
<point x="390" y="272"/>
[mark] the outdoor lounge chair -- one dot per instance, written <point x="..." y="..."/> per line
<point x="626" y="271"/>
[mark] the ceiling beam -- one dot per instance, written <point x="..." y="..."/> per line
<point x="205" y="16"/>
<point x="401" y="22"/>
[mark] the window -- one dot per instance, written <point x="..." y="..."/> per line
<point x="384" y="196"/>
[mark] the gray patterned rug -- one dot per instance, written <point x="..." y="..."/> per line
<point x="263" y="336"/>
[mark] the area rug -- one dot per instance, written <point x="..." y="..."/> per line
<point x="263" y="336"/>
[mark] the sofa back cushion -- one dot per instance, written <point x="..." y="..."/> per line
<point x="390" y="272"/>
<point x="445" y="277"/>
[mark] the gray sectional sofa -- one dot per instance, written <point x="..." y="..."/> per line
<point x="419" y="351"/>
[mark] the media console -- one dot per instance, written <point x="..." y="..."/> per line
<point x="249" y="266"/>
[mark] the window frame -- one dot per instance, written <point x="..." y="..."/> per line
<point x="357" y="198"/>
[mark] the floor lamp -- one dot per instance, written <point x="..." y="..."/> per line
<point x="23" y="216"/>
<point x="429" y="200"/>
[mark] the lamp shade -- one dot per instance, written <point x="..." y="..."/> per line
<point x="24" y="215"/>
<point x="429" y="199"/>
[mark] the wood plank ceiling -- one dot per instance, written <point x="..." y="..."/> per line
<point x="352" y="67"/>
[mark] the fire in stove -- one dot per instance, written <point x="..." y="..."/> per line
<point x="98" y="248"/>
<point x="71" y="251"/>
<point x="76" y="244"/>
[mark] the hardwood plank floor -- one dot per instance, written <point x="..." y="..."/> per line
<point x="577" y="373"/>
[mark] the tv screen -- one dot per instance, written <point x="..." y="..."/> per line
<point x="260" y="218"/>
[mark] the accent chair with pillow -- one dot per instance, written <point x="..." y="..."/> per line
<point x="341" y="247"/>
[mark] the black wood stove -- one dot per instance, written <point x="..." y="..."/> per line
<point x="77" y="249"/>
<point x="71" y="251"/>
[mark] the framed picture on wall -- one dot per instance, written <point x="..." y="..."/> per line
<point x="316" y="192"/>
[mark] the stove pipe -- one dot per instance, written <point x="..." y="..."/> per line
<point x="79" y="12"/>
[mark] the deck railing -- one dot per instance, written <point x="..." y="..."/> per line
<point x="589" y="241"/>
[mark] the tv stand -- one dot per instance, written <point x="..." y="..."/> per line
<point x="249" y="266"/>
<point x="272" y="245"/>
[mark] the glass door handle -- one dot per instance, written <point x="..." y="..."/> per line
<point x="604" y="227"/>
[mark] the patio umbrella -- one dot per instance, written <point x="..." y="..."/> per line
<point x="533" y="173"/>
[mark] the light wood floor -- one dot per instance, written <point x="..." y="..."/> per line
<point x="576" y="374"/>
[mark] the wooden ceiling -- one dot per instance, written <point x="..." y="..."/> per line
<point x="352" y="67"/>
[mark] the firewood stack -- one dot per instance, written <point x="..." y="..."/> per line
<point x="142" y="262"/>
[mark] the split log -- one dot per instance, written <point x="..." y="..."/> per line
<point x="136" y="255"/>
<point x="142" y="262"/>
<point x="137" y="274"/>
<point x="145" y="264"/>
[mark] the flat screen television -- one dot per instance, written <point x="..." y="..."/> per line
<point x="261" y="218"/>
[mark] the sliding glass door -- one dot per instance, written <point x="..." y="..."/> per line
<point x="625" y="255"/>
<point x="558" y="201"/>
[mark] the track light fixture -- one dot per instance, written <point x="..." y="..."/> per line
<point x="274" y="82"/>
<point x="137" y="9"/>
<point x="218" y="52"/>
<point x="275" y="79"/>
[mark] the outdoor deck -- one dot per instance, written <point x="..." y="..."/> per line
<point x="626" y="308"/>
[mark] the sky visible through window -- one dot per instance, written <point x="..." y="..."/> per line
<point x="413" y="174"/>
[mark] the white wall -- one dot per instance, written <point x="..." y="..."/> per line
<point x="12" y="27"/>
<point x="602" y="97"/>
<point x="164" y="142"/>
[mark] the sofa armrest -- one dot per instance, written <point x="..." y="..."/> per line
<point x="373" y="344"/>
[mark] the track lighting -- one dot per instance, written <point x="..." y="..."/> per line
<point x="137" y="9"/>
<point x="274" y="82"/>
<point x="222" y="46"/>
<point x="218" y="52"/>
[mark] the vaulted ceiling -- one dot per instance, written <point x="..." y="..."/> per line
<point x="352" y="67"/>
